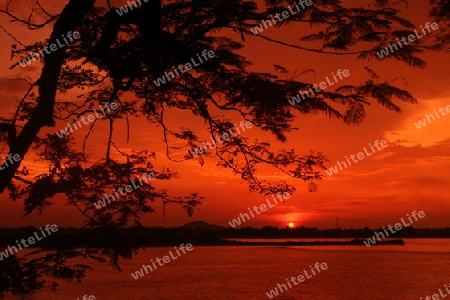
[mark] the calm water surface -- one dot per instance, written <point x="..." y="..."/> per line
<point x="412" y="271"/>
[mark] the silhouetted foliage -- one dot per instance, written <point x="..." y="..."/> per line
<point x="120" y="56"/>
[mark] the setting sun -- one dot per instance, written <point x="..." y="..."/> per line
<point x="291" y="225"/>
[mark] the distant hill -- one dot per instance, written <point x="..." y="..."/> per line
<point x="202" y="225"/>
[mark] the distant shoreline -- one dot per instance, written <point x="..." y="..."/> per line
<point x="235" y="243"/>
<point x="353" y="242"/>
<point x="203" y="234"/>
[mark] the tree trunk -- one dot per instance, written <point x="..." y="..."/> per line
<point x="70" y="18"/>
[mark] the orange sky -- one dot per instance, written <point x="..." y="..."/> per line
<point x="412" y="173"/>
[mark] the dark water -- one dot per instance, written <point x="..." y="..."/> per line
<point x="412" y="271"/>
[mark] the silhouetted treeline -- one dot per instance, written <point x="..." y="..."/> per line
<point x="159" y="236"/>
<point x="314" y="232"/>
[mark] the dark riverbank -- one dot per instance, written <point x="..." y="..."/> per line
<point x="201" y="233"/>
<point x="354" y="242"/>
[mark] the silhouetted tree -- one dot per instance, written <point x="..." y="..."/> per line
<point x="128" y="53"/>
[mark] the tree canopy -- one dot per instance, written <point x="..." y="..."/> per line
<point x="119" y="57"/>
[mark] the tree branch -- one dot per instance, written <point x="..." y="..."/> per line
<point x="69" y="19"/>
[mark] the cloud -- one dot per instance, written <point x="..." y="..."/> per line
<point x="11" y="84"/>
<point x="403" y="154"/>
